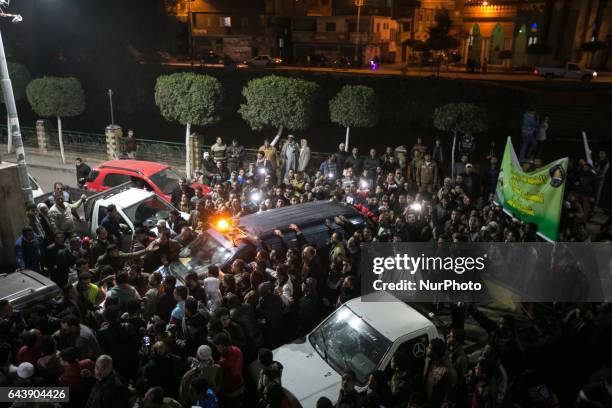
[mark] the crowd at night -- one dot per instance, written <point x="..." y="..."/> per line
<point x="125" y="334"/>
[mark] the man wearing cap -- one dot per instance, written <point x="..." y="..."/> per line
<point x="235" y="154"/>
<point x="205" y="367"/>
<point x="208" y="168"/>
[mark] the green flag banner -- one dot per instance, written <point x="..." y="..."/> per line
<point x="532" y="197"/>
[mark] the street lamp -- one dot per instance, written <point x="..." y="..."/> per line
<point x="358" y="3"/>
<point x="9" y="99"/>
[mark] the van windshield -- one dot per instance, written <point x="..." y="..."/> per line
<point x="166" y="180"/>
<point x="148" y="212"/>
<point x="205" y="250"/>
<point x="345" y="340"/>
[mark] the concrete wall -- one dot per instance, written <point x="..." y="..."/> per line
<point x="13" y="214"/>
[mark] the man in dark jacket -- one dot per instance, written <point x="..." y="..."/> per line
<point x="370" y="163"/>
<point x="166" y="302"/>
<point x="244" y="315"/>
<point x="121" y="342"/>
<point x="182" y="188"/>
<point x="109" y="390"/>
<point x="354" y="161"/>
<point x="82" y="172"/>
<point x="28" y="251"/>
<point x="269" y="314"/>
<point x="235" y="154"/>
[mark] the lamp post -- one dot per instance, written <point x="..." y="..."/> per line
<point x="358" y="3"/>
<point x="110" y="101"/>
<point x="11" y="109"/>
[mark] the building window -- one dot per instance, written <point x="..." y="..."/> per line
<point x="406" y="27"/>
<point x="330" y="27"/>
<point x="244" y="21"/>
<point x="532" y="40"/>
<point x="352" y="27"/>
<point x="378" y="27"/>
<point x="227" y="21"/>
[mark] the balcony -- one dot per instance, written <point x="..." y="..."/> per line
<point x="479" y="11"/>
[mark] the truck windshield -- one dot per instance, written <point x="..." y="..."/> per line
<point x="346" y="341"/>
<point x="150" y="211"/>
<point x="205" y="250"/>
<point x="166" y="180"/>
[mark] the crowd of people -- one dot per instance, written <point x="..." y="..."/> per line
<point x="125" y="334"/>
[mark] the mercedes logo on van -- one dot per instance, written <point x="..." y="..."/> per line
<point x="418" y="350"/>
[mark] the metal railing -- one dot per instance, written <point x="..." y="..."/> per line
<point x="93" y="146"/>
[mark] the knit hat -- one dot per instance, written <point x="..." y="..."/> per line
<point x="25" y="370"/>
<point x="204" y="353"/>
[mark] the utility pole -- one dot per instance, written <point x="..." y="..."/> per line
<point x="11" y="109"/>
<point x="358" y="3"/>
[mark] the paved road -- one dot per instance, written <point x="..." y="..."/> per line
<point x="416" y="72"/>
<point x="46" y="177"/>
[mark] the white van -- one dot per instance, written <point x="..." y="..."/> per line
<point x="362" y="335"/>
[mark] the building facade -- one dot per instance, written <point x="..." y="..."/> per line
<point x="504" y="33"/>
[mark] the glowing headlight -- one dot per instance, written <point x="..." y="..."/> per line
<point x="594" y="74"/>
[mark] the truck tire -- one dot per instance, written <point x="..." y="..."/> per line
<point x="549" y="77"/>
<point x="587" y="78"/>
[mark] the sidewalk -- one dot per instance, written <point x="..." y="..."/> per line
<point x="50" y="161"/>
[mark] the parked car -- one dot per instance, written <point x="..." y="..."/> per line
<point x="263" y="61"/>
<point x="319" y="60"/>
<point x="157" y="177"/>
<point x="341" y="62"/>
<point x="223" y="243"/>
<point x="24" y="289"/>
<point x="212" y="59"/>
<point x="363" y="334"/>
<point x="37" y="190"/>
<point x="569" y="70"/>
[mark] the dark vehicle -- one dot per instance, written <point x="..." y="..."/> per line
<point x="24" y="289"/>
<point x="211" y="58"/>
<point x="342" y="62"/>
<point x="319" y="60"/>
<point x="222" y="244"/>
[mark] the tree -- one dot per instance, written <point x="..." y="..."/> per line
<point x="439" y="37"/>
<point x="20" y="78"/>
<point x="279" y="102"/>
<point x="460" y="118"/>
<point x="56" y="97"/>
<point x="190" y="99"/>
<point x="354" y="106"/>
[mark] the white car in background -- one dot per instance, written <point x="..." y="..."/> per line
<point x="263" y="61"/>
<point x="37" y="191"/>
<point x="362" y="335"/>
